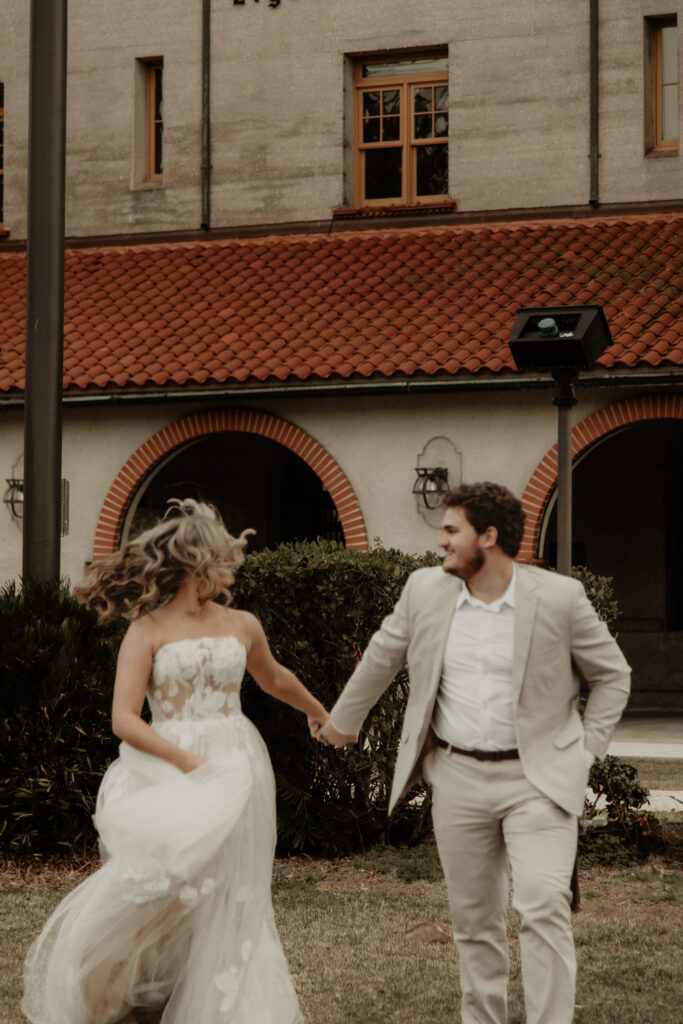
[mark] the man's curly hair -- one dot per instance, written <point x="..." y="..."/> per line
<point x="486" y="504"/>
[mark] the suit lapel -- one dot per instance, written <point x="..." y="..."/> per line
<point x="526" y="602"/>
<point x="445" y="597"/>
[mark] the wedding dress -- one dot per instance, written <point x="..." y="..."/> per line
<point x="180" y="913"/>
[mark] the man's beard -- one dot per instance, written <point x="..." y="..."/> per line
<point x="470" y="568"/>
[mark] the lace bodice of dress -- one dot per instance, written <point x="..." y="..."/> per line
<point x="196" y="679"/>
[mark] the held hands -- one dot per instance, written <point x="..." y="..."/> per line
<point x="327" y="733"/>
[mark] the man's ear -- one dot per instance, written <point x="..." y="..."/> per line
<point x="489" y="538"/>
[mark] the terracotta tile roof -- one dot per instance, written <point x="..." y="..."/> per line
<point x="412" y="302"/>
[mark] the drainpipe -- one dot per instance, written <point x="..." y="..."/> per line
<point x="594" y="154"/>
<point x="206" y="115"/>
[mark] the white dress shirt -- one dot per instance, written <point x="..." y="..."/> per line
<point x="474" y="706"/>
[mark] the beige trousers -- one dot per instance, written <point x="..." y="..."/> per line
<point x="492" y="824"/>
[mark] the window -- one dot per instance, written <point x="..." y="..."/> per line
<point x="155" y="120"/>
<point x="148" y="134"/>
<point x="2" y="150"/>
<point x="662" y="85"/>
<point x="401" y="129"/>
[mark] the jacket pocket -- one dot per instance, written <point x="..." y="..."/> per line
<point x="569" y="733"/>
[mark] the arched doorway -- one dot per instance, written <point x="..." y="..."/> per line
<point x="150" y="459"/>
<point x="253" y="481"/>
<point x="627" y="484"/>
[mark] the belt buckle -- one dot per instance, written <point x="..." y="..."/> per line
<point x="483" y="755"/>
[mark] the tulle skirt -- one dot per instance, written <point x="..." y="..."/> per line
<point x="179" y="915"/>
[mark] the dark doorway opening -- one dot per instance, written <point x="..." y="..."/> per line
<point x="628" y="524"/>
<point x="252" y="481"/>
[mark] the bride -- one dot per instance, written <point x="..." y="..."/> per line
<point x="177" y="925"/>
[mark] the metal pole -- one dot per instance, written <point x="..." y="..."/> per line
<point x="45" y="290"/>
<point x="565" y="398"/>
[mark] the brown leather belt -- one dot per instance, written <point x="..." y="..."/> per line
<point x="481" y="755"/>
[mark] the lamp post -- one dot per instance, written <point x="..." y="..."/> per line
<point x="564" y="340"/>
<point x="45" y="290"/>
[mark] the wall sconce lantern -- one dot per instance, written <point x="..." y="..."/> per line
<point x="14" y="497"/>
<point x="431" y="485"/>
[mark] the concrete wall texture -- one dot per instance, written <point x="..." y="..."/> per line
<point x="519" y="106"/>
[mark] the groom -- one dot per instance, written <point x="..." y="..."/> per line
<point x="494" y="652"/>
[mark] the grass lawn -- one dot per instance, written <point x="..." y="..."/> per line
<point x="343" y="926"/>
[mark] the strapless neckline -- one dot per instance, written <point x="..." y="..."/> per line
<point x="198" y="639"/>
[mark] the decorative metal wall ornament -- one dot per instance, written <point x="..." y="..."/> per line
<point x="14" y="497"/>
<point x="439" y="469"/>
<point x="431" y="485"/>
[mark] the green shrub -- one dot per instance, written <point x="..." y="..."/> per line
<point x="56" y="677"/>
<point x="629" y="833"/>
<point x="600" y="592"/>
<point x="319" y="603"/>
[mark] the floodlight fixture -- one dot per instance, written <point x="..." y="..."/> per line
<point x="559" y="337"/>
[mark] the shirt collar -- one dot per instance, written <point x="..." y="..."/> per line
<point x="495" y="606"/>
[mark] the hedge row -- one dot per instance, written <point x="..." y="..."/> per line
<point x="319" y="603"/>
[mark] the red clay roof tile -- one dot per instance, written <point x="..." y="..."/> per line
<point x="410" y="302"/>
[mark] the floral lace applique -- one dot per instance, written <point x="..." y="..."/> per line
<point x="197" y="679"/>
<point x="228" y="984"/>
<point x="190" y="896"/>
<point x="142" y="885"/>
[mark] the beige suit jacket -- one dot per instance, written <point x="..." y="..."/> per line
<point x="558" y="637"/>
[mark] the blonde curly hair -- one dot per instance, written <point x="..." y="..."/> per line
<point x="147" y="571"/>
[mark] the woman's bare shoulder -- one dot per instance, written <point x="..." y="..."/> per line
<point x="142" y="632"/>
<point x="243" y="623"/>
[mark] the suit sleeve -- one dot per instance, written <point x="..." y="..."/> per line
<point x="384" y="656"/>
<point x="598" y="658"/>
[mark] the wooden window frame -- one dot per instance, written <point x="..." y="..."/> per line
<point x="405" y="84"/>
<point x="2" y="153"/>
<point x="152" y="67"/>
<point x="659" y="144"/>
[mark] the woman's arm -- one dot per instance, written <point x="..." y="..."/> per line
<point x="278" y="681"/>
<point x="133" y="670"/>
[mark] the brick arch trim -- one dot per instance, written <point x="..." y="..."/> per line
<point x="585" y="434"/>
<point x="178" y="433"/>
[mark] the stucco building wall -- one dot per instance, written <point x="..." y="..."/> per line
<point x="280" y="106"/>
<point x="375" y="440"/>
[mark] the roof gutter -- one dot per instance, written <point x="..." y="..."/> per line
<point x="668" y="379"/>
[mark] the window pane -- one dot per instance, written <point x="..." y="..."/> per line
<point x="670" y="112"/>
<point x="383" y="174"/>
<point x="391" y="101"/>
<point x="391" y="129"/>
<point x="158" y="95"/>
<point x="421" y="65"/>
<point x="370" y="104"/>
<point x="441" y="97"/>
<point x="432" y="170"/>
<point x="441" y="125"/>
<point x="371" y="129"/>
<point x="423" y="126"/>
<point x="158" y="148"/>
<point x="669" y="53"/>
<point x="423" y="99"/>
